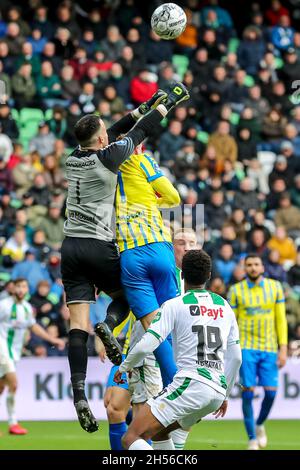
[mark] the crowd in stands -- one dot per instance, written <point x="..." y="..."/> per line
<point x="234" y="147"/>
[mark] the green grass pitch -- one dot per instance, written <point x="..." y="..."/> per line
<point x="208" y="435"/>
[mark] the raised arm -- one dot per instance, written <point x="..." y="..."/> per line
<point x="116" y="153"/>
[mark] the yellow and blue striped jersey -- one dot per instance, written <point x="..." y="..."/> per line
<point x="126" y="328"/>
<point x="139" y="221"/>
<point x="260" y="313"/>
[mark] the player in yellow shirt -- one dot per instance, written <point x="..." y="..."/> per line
<point x="259" y="306"/>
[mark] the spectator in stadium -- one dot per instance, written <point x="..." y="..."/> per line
<point x="41" y="249"/>
<point x="39" y="191"/>
<point x="21" y="220"/>
<point x="281" y="171"/>
<point x="37" y="41"/>
<point x="7" y="123"/>
<point x="113" y="44"/>
<point x="259" y="221"/>
<point x="44" y="141"/>
<point x="257" y="102"/>
<point x="290" y="71"/>
<point x="65" y="20"/>
<point x="210" y="43"/>
<point x="28" y="57"/>
<point x="291" y="133"/>
<point x="170" y="143"/>
<point x="282" y="35"/>
<point x="53" y="175"/>
<point x="49" y="54"/>
<point x="279" y="97"/>
<point x="157" y="50"/>
<point x="6" y="181"/>
<point x="143" y="86"/>
<point x="45" y="310"/>
<point x="215" y="212"/>
<point x="70" y="88"/>
<point x="80" y="63"/>
<point x="52" y="226"/>
<point x="288" y="216"/>
<point x="23" y="174"/>
<point x="273" y="268"/>
<point x="133" y="39"/>
<point x="14" y="15"/>
<point x="88" y="42"/>
<point x="48" y="86"/>
<point x="294" y="273"/>
<point x="246" y="198"/>
<point x="42" y="23"/>
<point x="275" y="12"/>
<point x="224" y="263"/>
<point x="257" y="242"/>
<point x="58" y="123"/>
<point x="14" y="249"/>
<point x="23" y="86"/>
<point x="251" y="50"/>
<point x="116" y="103"/>
<point x="285" y="245"/>
<point x="295" y="192"/>
<point x="224" y="143"/>
<point x="187" y="42"/>
<point x="31" y="269"/>
<point x="14" y="39"/>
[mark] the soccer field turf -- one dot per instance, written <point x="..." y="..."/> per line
<point x="209" y="435"/>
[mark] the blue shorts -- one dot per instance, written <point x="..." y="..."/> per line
<point x="110" y="380"/>
<point x="259" y="365"/>
<point x="148" y="276"/>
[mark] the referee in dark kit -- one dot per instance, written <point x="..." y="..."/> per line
<point x="90" y="257"/>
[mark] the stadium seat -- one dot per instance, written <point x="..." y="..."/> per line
<point x="203" y="137"/>
<point x="233" y="45"/>
<point x="48" y="114"/>
<point x="181" y="63"/>
<point x="29" y="120"/>
<point x="15" y="115"/>
<point x="234" y="119"/>
<point x="31" y="114"/>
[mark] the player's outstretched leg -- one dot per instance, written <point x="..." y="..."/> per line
<point x="112" y="347"/>
<point x="77" y="355"/>
<point x="117" y="312"/>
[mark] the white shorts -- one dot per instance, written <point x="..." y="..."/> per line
<point x="145" y="381"/>
<point x="186" y="401"/>
<point x="7" y="365"/>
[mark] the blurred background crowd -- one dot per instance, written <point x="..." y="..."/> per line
<point x="234" y="147"/>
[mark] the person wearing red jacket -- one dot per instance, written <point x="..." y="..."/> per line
<point x="143" y="86"/>
<point x="275" y="12"/>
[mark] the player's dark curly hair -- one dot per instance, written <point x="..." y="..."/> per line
<point x="196" y="267"/>
<point x="86" y="128"/>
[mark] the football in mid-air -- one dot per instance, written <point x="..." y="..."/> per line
<point x="168" y="21"/>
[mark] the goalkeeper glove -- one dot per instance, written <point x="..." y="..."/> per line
<point x="152" y="103"/>
<point x="177" y="94"/>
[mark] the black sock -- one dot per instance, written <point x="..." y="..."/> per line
<point x="117" y="311"/>
<point x="77" y="355"/>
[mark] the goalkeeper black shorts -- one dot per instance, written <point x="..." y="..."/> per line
<point x="88" y="266"/>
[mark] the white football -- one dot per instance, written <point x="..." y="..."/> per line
<point x="168" y="21"/>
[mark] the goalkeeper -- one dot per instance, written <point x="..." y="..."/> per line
<point x="89" y="255"/>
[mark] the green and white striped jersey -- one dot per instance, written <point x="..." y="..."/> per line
<point x="203" y="325"/>
<point x="180" y="281"/>
<point x="15" y="319"/>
